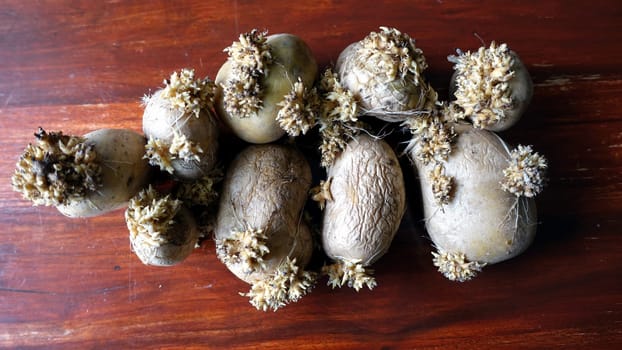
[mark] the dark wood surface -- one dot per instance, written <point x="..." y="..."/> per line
<point x="83" y="65"/>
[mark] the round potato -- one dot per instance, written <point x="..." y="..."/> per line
<point x="492" y="87"/>
<point x="181" y="127"/>
<point x="384" y="73"/>
<point x="162" y="231"/>
<point x="250" y="106"/>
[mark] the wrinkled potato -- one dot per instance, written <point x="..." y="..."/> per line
<point x="384" y="71"/>
<point x="253" y="100"/>
<point x="489" y="215"/>
<point x="364" y="203"/>
<point x="83" y="176"/>
<point x="259" y="231"/>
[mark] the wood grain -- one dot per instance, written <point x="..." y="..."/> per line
<point x="83" y="65"/>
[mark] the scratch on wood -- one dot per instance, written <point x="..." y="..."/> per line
<point x="8" y="99"/>
<point x="562" y="80"/>
<point x="27" y="291"/>
<point x="554" y="81"/>
<point x="543" y="65"/>
<point x="131" y="283"/>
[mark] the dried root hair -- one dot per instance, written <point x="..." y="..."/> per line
<point x="298" y="110"/>
<point x="338" y="117"/>
<point x="249" y="58"/>
<point x="288" y="283"/>
<point x="442" y="185"/>
<point x="351" y="273"/>
<point x="431" y="144"/>
<point x="187" y="94"/>
<point x="432" y="138"/>
<point x="483" y="94"/>
<point x="321" y="193"/>
<point x="161" y="153"/>
<point x="525" y="175"/>
<point x="56" y="169"/>
<point x="455" y="266"/>
<point x="150" y="216"/>
<point x="338" y="103"/>
<point x="392" y="54"/>
<point x="246" y="247"/>
<point x="202" y="191"/>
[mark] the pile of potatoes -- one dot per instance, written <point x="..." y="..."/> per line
<point x="179" y="187"/>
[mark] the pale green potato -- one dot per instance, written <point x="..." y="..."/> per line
<point x="291" y="59"/>
<point x="124" y="172"/>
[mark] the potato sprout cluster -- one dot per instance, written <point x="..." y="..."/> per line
<point x="257" y="197"/>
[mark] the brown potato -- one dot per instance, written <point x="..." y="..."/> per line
<point x="259" y="231"/>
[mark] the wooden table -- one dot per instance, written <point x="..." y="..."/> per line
<point x="83" y="65"/>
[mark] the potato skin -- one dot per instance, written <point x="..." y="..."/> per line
<point x="160" y="120"/>
<point x="375" y="97"/>
<point x="124" y="172"/>
<point x="172" y="253"/>
<point x="482" y="221"/>
<point x="266" y="188"/>
<point x="368" y="201"/>
<point x="292" y="58"/>
<point x="521" y="86"/>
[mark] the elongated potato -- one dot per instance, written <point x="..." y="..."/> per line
<point x="83" y="176"/>
<point x="365" y="202"/>
<point x="259" y="231"/>
<point x="256" y="80"/>
<point x="124" y="172"/>
<point x="490" y="214"/>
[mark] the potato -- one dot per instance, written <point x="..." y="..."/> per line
<point x="365" y="201"/>
<point x="181" y="127"/>
<point x="83" y="176"/>
<point x="259" y="231"/>
<point x="492" y="87"/>
<point x="162" y="231"/>
<point x="384" y="72"/>
<point x="254" y="87"/>
<point x="489" y="215"/>
<point x="124" y="172"/>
